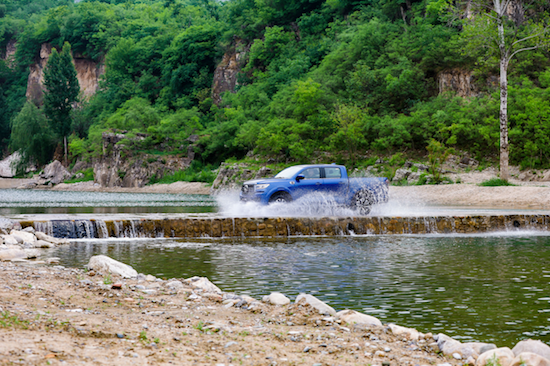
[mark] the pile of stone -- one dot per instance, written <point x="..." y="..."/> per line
<point x="20" y="245"/>
<point x="527" y="352"/>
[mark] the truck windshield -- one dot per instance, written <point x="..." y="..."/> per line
<point x="288" y="173"/>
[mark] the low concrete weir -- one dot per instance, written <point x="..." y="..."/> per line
<point x="287" y="226"/>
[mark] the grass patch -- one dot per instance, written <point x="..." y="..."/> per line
<point x="495" y="182"/>
<point x="7" y="321"/>
<point x="195" y="173"/>
<point x="88" y="175"/>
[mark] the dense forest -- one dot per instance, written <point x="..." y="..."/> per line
<point x="346" y="79"/>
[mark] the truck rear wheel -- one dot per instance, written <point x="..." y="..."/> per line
<point x="280" y="197"/>
<point x="362" y="202"/>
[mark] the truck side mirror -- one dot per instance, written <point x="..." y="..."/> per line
<point x="299" y="177"/>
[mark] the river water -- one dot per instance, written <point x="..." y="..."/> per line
<point x="491" y="288"/>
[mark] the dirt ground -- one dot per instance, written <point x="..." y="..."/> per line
<point x="55" y="315"/>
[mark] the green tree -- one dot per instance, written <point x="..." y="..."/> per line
<point x="32" y="137"/>
<point x="62" y="90"/>
<point x="505" y="28"/>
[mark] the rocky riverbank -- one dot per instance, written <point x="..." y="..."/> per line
<point x="108" y="314"/>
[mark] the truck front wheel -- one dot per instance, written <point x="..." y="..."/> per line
<point x="280" y="197"/>
<point x="362" y="202"/>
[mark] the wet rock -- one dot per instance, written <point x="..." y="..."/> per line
<point x="530" y="359"/>
<point x="315" y="303"/>
<point x="276" y="298"/>
<point x="504" y="355"/>
<point x="532" y="346"/>
<point x="355" y="317"/>
<point x="202" y="283"/>
<point x="400" y="331"/>
<point x="106" y="264"/>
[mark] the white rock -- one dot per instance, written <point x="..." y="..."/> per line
<point x="400" y="331"/>
<point x="32" y="253"/>
<point x="9" y="240"/>
<point x="317" y="304"/>
<point x="150" y="278"/>
<point x="41" y="236"/>
<point x="175" y="285"/>
<point x="533" y="346"/>
<point x="276" y="298"/>
<point x="530" y="359"/>
<point x="11" y="254"/>
<point x="102" y="263"/>
<point x="25" y="236"/>
<point x="504" y="355"/>
<point x="354" y="317"/>
<point x="202" y="283"/>
<point x="43" y="244"/>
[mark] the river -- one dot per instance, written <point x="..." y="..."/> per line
<point x="491" y="288"/>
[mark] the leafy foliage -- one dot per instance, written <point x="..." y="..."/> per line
<point x="350" y="78"/>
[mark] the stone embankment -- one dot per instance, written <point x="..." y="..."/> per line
<point x="110" y="314"/>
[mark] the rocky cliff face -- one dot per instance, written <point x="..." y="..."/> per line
<point x="115" y="169"/>
<point x="459" y="81"/>
<point x="225" y="75"/>
<point x="88" y="73"/>
<point x="231" y="176"/>
<point x="9" y="53"/>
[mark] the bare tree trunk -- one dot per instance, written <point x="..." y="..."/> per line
<point x="503" y="114"/>
<point x="65" y="143"/>
<point x="503" y="118"/>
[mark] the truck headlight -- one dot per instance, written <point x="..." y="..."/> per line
<point x="260" y="187"/>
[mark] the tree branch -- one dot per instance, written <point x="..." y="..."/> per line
<point x="521" y="50"/>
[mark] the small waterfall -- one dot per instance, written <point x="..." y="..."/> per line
<point x="287" y="226"/>
<point x="101" y="229"/>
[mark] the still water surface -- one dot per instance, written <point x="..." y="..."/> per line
<point x="484" y="288"/>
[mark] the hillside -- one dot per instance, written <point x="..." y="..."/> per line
<point x="203" y="81"/>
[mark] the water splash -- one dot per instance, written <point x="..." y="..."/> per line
<point x="312" y="205"/>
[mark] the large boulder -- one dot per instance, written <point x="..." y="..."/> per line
<point x="315" y="303"/>
<point x="202" y="283"/>
<point x="355" y="317"/>
<point x="503" y="355"/>
<point x="102" y="263"/>
<point x="530" y="359"/>
<point x="55" y="173"/>
<point x="276" y="298"/>
<point x="529" y="345"/>
<point x="7" y="166"/>
<point x="449" y="346"/>
<point x="23" y="236"/>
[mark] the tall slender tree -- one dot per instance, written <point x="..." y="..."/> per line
<point x="62" y="90"/>
<point x="505" y="28"/>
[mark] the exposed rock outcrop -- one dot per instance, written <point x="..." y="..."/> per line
<point x="232" y="176"/>
<point x="88" y="73"/>
<point x="459" y="81"/>
<point x="225" y="75"/>
<point x="7" y="166"/>
<point x="8" y="54"/>
<point x="115" y="169"/>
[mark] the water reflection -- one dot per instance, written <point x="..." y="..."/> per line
<point x="486" y="288"/>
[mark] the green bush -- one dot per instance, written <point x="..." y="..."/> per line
<point x="495" y="182"/>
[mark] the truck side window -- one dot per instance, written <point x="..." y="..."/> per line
<point x="333" y="173"/>
<point x="312" y="173"/>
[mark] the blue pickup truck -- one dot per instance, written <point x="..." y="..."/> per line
<point x="328" y="179"/>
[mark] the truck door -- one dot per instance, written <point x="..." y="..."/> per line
<point x="311" y="182"/>
<point x="334" y="184"/>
